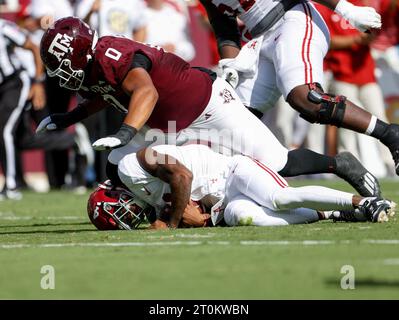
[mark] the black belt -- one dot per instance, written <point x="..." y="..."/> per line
<point x="211" y="73"/>
<point x="273" y="16"/>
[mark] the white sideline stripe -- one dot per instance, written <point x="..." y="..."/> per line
<point x="390" y="241"/>
<point x="39" y="218"/>
<point x="101" y="244"/>
<point x="391" y="262"/>
<point x="195" y="235"/>
<point x="287" y="242"/>
<point x="196" y="243"/>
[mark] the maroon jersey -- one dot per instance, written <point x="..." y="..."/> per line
<point x="183" y="91"/>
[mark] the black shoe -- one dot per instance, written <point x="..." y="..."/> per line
<point x="378" y="210"/>
<point x="353" y="215"/>
<point x="352" y="171"/>
<point x="391" y="140"/>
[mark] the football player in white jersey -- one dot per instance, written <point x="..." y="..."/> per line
<point x="290" y="42"/>
<point x="244" y="189"/>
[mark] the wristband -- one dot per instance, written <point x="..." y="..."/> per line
<point x="125" y="133"/>
<point x="41" y="79"/>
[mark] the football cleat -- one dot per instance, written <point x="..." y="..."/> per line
<point x="354" y="215"/>
<point x="391" y="140"/>
<point x="352" y="171"/>
<point x="377" y="209"/>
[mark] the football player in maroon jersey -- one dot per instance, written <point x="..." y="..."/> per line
<point x="154" y="88"/>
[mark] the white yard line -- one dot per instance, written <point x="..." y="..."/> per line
<point x="377" y="241"/>
<point x="12" y="218"/>
<point x="194" y="235"/>
<point x="196" y="243"/>
<point x="391" y="262"/>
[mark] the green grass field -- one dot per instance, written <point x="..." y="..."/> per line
<point x="293" y="262"/>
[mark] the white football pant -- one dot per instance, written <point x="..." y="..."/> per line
<point x="225" y="125"/>
<point x="291" y="55"/>
<point x="266" y="188"/>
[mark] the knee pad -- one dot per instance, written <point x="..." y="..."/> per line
<point x="332" y="108"/>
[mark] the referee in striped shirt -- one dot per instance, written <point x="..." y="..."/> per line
<point x="15" y="89"/>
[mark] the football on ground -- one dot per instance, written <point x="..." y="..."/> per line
<point x="50" y="234"/>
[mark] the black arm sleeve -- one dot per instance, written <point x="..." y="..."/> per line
<point x="225" y="27"/>
<point x="140" y="60"/>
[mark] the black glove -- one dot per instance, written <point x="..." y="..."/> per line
<point x="62" y="120"/>
<point x="120" y="139"/>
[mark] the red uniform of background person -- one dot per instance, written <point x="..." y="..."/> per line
<point x="355" y="65"/>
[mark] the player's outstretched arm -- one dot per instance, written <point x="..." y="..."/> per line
<point x="58" y="121"/>
<point x="362" y="18"/>
<point x="144" y="96"/>
<point x="171" y="171"/>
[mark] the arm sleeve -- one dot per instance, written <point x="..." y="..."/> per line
<point x="225" y="27"/>
<point x="140" y="60"/>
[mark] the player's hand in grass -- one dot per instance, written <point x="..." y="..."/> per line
<point x="193" y="216"/>
<point x="158" y="225"/>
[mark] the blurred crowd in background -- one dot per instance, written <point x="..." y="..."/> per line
<point x="362" y="66"/>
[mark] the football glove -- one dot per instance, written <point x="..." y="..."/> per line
<point x="231" y="76"/>
<point x="120" y="139"/>
<point x="53" y="122"/>
<point x="62" y="120"/>
<point x="362" y="18"/>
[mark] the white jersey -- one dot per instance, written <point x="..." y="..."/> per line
<point x="115" y="17"/>
<point x="210" y="171"/>
<point x="168" y="26"/>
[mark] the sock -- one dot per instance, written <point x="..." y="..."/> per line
<point x="304" y="161"/>
<point x="324" y="215"/>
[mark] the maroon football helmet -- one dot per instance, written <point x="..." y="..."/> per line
<point x="66" y="49"/>
<point x="112" y="208"/>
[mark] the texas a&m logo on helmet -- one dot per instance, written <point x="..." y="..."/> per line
<point x="66" y="49"/>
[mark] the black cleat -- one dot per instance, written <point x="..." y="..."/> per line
<point x="395" y="156"/>
<point x="391" y="140"/>
<point x="354" y="215"/>
<point x="352" y="171"/>
<point x="378" y="210"/>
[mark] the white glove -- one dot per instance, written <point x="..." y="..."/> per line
<point x="107" y="143"/>
<point x="46" y="125"/>
<point x="362" y="18"/>
<point x="231" y="76"/>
